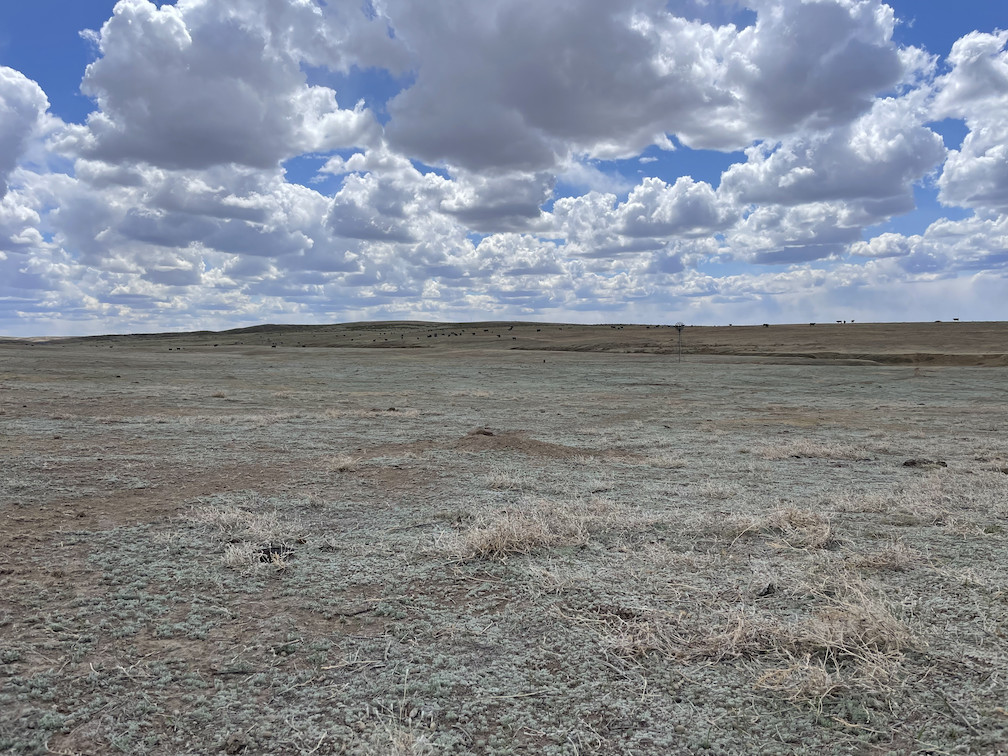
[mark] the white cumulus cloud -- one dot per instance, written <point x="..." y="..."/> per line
<point x="203" y="83"/>
<point x="22" y="107"/>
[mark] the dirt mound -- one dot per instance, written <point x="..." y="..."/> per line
<point x="484" y="439"/>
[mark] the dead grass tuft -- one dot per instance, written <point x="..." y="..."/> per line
<point x="801" y="528"/>
<point x="802" y="679"/>
<point x="895" y="555"/>
<point x="251" y="532"/>
<point x="861" y="503"/>
<point x="250" y="558"/>
<point x="506" y="479"/>
<point x="716" y="490"/>
<point x="807" y="448"/>
<point x="666" y="460"/>
<point x="342" y="463"/>
<point x="848" y="638"/>
<point x="790" y="527"/>
<point x="968" y="502"/>
<point x="535" y="523"/>
<point x="522" y="528"/>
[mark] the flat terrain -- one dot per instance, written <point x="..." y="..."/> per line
<point x="865" y="343"/>
<point x="571" y="543"/>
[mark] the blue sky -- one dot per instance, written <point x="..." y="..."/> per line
<point x="196" y="164"/>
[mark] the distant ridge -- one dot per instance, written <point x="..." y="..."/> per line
<point x="931" y="344"/>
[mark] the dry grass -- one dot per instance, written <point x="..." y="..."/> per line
<point x="848" y="638"/>
<point x="392" y="413"/>
<point x="522" y="528"/>
<point x="800" y="528"/>
<point x="859" y="502"/>
<point x="250" y="558"/>
<point x="666" y="460"/>
<point x="342" y="463"/>
<point x="255" y="534"/>
<point x="535" y="523"/>
<point x="654" y="591"/>
<point x="717" y="490"/>
<point x="254" y="520"/>
<point x="803" y="679"/>
<point x="969" y="503"/>
<point x="507" y="478"/>
<point x="851" y="641"/>
<point x="788" y="527"/>
<point x="894" y="555"/>
<point x="807" y="448"/>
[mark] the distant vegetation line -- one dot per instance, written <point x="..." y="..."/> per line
<point x="936" y="343"/>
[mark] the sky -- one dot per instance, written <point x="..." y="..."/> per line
<point x="209" y="165"/>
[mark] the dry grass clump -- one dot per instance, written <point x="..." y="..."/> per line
<point x="252" y="421"/>
<point x="790" y="527"/>
<point x="895" y="555"/>
<point x="848" y="638"/>
<point x="800" y="528"/>
<point x="535" y="523"/>
<point x="254" y="532"/>
<point x="506" y="479"/>
<point x="532" y="524"/>
<point x="807" y="448"/>
<point x="396" y="739"/>
<point x="803" y="678"/>
<point x="342" y="463"/>
<point x="969" y="502"/>
<point x="852" y="641"/>
<point x="738" y="632"/>
<point x="338" y="413"/>
<point x="233" y="519"/>
<point x="859" y="502"/>
<point x="248" y="557"/>
<point x="852" y="622"/>
<point x="717" y="490"/>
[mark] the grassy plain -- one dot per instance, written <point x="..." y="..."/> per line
<point x="532" y="538"/>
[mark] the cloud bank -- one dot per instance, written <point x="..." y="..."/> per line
<point x="311" y="162"/>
